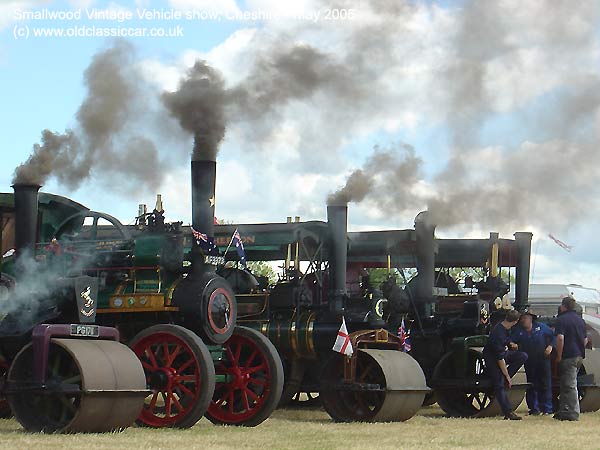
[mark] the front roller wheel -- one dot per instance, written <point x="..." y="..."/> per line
<point x="389" y="386"/>
<point x="179" y="372"/>
<point x="91" y="386"/>
<point x="254" y="380"/>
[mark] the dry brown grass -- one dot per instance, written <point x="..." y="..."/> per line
<point x="312" y="429"/>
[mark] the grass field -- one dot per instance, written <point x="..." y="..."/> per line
<point x="312" y="429"/>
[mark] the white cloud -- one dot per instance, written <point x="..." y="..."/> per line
<point x="402" y="60"/>
<point x="82" y="3"/>
<point x="218" y="6"/>
<point x="8" y="9"/>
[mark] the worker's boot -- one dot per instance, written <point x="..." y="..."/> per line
<point x="512" y="416"/>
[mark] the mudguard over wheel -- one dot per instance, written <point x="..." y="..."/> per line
<point x="179" y="372"/>
<point x="253" y="376"/>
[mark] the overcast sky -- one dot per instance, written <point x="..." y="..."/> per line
<point x="486" y="111"/>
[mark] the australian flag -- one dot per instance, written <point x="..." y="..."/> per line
<point x="206" y="243"/>
<point x="236" y="240"/>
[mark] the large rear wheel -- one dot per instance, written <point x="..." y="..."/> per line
<point x="253" y="380"/>
<point x="469" y="393"/>
<point x="179" y="372"/>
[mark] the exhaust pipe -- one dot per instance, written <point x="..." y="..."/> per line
<point x="523" y="241"/>
<point x="26" y="216"/>
<point x="337" y="220"/>
<point x="206" y="300"/>
<point x="203" y="210"/>
<point x="425" y="253"/>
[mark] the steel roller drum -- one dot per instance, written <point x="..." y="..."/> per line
<point x="400" y="382"/>
<point x="92" y="386"/>
<point x="404" y="383"/>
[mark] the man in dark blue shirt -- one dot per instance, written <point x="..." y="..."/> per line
<point x="502" y="363"/>
<point x="537" y="340"/>
<point x="570" y="350"/>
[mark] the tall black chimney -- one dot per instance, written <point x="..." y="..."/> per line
<point x="523" y="241"/>
<point x="425" y="253"/>
<point x="337" y="220"/>
<point x="203" y="204"/>
<point x="205" y="299"/>
<point x="26" y="216"/>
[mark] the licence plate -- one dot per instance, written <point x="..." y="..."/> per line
<point x="85" y="330"/>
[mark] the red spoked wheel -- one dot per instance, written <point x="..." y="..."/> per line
<point x="179" y="372"/>
<point x="5" y="411"/>
<point x="254" y="374"/>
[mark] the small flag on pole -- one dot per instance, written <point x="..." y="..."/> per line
<point x="561" y="244"/>
<point x="404" y="339"/>
<point x="342" y="341"/>
<point x="205" y="242"/>
<point x="239" y="246"/>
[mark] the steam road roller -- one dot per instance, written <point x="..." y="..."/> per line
<point x="445" y="294"/>
<point x="171" y="308"/>
<point x="75" y="378"/>
<point x="301" y="315"/>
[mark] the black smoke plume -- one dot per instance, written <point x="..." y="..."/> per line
<point x="199" y="106"/>
<point x="205" y="107"/>
<point x="105" y="139"/>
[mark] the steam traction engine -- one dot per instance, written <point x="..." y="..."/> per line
<point x="458" y="375"/>
<point x="58" y="377"/>
<point x="302" y="313"/>
<point x="171" y="308"/>
<point x="449" y="323"/>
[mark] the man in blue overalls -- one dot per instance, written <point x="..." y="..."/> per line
<point x="502" y="363"/>
<point x="537" y="340"/>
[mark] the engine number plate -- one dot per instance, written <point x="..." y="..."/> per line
<point x="85" y="330"/>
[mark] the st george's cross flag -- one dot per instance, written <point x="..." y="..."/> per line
<point x="342" y="341"/>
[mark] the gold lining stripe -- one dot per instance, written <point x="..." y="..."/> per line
<point x="169" y="296"/>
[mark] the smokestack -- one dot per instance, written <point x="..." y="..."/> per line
<point x="523" y="240"/>
<point x="203" y="203"/>
<point x="337" y="220"/>
<point x="26" y="216"/>
<point x="425" y="253"/>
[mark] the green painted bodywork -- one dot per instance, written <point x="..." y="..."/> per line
<point x="217" y="354"/>
<point x="52" y="211"/>
<point x="461" y="347"/>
